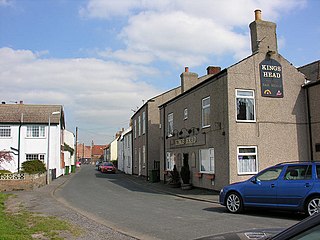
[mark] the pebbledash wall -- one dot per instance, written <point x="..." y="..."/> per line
<point x="242" y="119"/>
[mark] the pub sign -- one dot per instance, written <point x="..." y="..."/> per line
<point x="271" y="78"/>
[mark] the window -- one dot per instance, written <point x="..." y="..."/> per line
<point x="35" y="157"/>
<point x="247" y="160"/>
<point x="143" y="122"/>
<point x="170" y="161"/>
<point x="144" y="155"/>
<point x="139" y="126"/>
<point x="129" y="162"/>
<point x="170" y="124"/>
<point x="5" y="131"/>
<point x="270" y="174"/>
<point x="135" y="128"/>
<point x="206" y="112"/>
<point x="185" y="114"/>
<point x="206" y="159"/>
<point x="245" y="105"/>
<point x="300" y="172"/>
<point x="35" y="131"/>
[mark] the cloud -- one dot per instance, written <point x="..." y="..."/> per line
<point x="185" y="32"/>
<point x="6" y="3"/>
<point x="92" y="90"/>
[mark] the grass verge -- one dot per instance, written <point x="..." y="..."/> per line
<point x="23" y="225"/>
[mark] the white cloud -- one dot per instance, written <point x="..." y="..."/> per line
<point x="6" y="3"/>
<point x="185" y="32"/>
<point x="92" y="90"/>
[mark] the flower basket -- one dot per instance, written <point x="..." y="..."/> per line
<point x="198" y="175"/>
<point x="210" y="176"/>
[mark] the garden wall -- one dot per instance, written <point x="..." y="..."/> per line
<point x="21" y="181"/>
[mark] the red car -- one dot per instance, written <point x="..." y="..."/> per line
<point x="107" y="167"/>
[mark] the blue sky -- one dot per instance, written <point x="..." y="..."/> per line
<point x="101" y="58"/>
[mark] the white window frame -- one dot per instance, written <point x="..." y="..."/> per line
<point x="241" y="167"/>
<point x="170" y="124"/>
<point x="139" y="125"/>
<point x="169" y="161"/>
<point x="35" y="156"/>
<point x="32" y="128"/>
<point x="143" y="122"/>
<point x="5" y="131"/>
<point x="135" y="128"/>
<point x="252" y="97"/>
<point x="185" y="114"/>
<point x="207" y="154"/>
<point x="205" y="107"/>
<point x="144" y="155"/>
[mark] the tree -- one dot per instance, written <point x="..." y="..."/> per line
<point x="5" y="156"/>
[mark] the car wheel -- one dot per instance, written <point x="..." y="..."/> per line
<point x="313" y="205"/>
<point x="234" y="203"/>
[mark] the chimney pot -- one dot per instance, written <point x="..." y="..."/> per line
<point x="257" y="14"/>
<point x="186" y="69"/>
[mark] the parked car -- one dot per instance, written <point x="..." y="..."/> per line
<point x="107" y="167"/>
<point x="98" y="164"/>
<point x="286" y="186"/>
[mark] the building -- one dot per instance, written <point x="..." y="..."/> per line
<point x="125" y="151"/>
<point x="239" y="120"/>
<point x="25" y="132"/>
<point x="312" y="88"/>
<point x="83" y="152"/>
<point x="69" y="154"/>
<point x="97" y="153"/>
<point x="146" y="134"/>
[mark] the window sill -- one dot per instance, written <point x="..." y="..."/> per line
<point x="246" y="121"/>
<point x="203" y="127"/>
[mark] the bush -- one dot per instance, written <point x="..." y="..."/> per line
<point x="4" y="171"/>
<point x="33" y="166"/>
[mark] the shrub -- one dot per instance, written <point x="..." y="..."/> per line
<point x="4" y="171"/>
<point x="33" y="166"/>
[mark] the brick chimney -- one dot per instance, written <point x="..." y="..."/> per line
<point x="263" y="35"/>
<point x="188" y="79"/>
<point x="213" y="70"/>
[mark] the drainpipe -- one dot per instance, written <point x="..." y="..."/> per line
<point x="19" y="134"/>
<point x="309" y="125"/>
<point x="164" y="142"/>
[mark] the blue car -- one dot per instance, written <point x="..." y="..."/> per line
<point x="291" y="186"/>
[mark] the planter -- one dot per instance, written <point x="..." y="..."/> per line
<point x="198" y="175"/>
<point x="211" y="176"/>
<point x="186" y="186"/>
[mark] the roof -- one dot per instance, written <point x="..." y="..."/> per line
<point x="98" y="149"/>
<point x="29" y="113"/>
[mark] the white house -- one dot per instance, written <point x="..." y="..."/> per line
<point x="24" y="133"/>
<point x="125" y="151"/>
<point x="68" y="158"/>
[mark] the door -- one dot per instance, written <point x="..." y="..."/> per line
<point x="262" y="189"/>
<point x="294" y="185"/>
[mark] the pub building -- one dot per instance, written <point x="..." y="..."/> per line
<point x="239" y="120"/>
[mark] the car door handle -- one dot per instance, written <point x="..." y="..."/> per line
<point x="272" y="185"/>
<point x="307" y="185"/>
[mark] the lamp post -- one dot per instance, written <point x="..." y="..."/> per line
<point x="48" y="172"/>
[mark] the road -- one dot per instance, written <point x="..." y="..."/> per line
<point x="122" y="204"/>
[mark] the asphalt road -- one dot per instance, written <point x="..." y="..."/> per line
<point x="120" y="203"/>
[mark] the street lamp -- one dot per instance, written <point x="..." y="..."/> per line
<point x="48" y="175"/>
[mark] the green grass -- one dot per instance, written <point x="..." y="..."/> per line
<point x="23" y="224"/>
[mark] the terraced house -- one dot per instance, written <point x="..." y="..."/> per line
<point x="241" y="119"/>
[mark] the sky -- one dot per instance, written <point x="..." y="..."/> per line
<point x="102" y="59"/>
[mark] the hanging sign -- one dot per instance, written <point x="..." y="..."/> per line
<point x="271" y="78"/>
